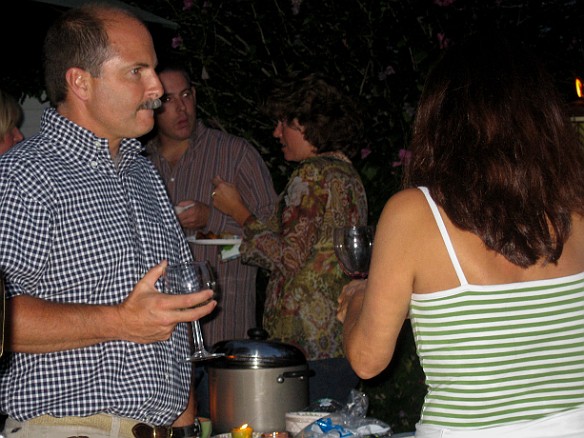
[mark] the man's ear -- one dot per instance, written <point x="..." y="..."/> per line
<point x="78" y="82"/>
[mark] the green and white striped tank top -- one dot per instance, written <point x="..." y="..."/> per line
<point x="499" y="354"/>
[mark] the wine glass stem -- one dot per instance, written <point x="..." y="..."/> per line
<point x="197" y="337"/>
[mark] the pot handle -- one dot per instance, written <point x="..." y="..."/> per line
<point x="295" y="375"/>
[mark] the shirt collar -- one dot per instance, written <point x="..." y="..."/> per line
<point x="76" y="142"/>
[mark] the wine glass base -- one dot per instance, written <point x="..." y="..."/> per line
<point x="197" y="357"/>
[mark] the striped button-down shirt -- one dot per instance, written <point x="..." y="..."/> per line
<point x="210" y="153"/>
<point x="76" y="228"/>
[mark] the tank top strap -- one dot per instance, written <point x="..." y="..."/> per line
<point x="445" y="236"/>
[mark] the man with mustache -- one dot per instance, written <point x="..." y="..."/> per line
<point x="87" y="230"/>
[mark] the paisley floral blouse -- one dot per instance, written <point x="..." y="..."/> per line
<point x="296" y="245"/>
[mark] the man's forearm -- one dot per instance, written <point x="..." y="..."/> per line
<point x="39" y="326"/>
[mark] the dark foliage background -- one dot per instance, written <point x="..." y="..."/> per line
<point x="378" y="51"/>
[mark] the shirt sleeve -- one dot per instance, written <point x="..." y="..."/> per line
<point x="287" y="247"/>
<point x="25" y="238"/>
<point x="254" y="183"/>
<point x="257" y="189"/>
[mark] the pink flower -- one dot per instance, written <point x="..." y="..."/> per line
<point x="296" y="6"/>
<point x="442" y="40"/>
<point x="404" y="157"/>
<point x="177" y="42"/>
<point x="389" y="70"/>
<point x="187" y="4"/>
<point x="365" y="152"/>
<point x="443" y="3"/>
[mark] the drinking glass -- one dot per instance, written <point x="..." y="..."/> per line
<point x="353" y="245"/>
<point x="189" y="277"/>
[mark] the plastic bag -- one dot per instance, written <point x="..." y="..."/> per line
<point x="324" y="405"/>
<point x="346" y="421"/>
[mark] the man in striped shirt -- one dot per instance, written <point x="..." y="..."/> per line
<point x="189" y="155"/>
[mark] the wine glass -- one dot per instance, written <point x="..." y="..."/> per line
<point x="353" y="245"/>
<point x="189" y="277"/>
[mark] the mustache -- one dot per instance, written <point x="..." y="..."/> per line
<point x="151" y="104"/>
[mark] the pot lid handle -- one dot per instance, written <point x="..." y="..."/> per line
<point x="257" y="334"/>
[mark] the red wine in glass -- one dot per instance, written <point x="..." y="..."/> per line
<point x="353" y="246"/>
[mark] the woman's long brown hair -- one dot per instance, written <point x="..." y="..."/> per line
<point x="494" y="145"/>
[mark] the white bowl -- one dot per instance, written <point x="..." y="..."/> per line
<point x="296" y="421"/>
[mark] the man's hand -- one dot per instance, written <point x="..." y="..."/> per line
<point x="146" y="315"/>
<point x="150" y="316"/>
<point x="193" y="214"/>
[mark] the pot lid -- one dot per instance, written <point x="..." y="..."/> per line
<point x="256" y="352"/>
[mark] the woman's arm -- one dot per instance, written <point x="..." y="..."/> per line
<point x="187" y="418"/>
<point x="376" y="309"/>
<point x="227" y="199"/>
<point x="288" y="248"/>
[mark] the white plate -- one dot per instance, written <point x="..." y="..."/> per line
<point x="194" y="239"/>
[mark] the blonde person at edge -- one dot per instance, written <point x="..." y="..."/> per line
<point x="319" y="128"/>
<point x="484" y="251"/>
<point x="10" y="119"/>
<point x="87" y="230"/>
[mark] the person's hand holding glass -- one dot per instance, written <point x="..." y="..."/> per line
<point x="189" y="277"/>
<point x="353" y="246"/>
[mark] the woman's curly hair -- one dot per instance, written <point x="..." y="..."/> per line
<point x="331" y="120"/>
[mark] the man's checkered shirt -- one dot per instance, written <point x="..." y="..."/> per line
<point x="76" y="228"/>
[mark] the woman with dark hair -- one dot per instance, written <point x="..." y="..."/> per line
<point x="318" y="128"/>
<point x="330" y="121"/>
<point x="484" y="251"/>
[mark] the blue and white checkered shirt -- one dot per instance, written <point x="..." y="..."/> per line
<point x="76" y="228"/>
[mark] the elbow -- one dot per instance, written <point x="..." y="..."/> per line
<point x="366" y="375"/>
<point x="366" y="372"/>
<point x="367" y="365"/>
<point x="363" y="374"/>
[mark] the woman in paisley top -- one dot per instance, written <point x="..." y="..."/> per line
<point x="319" y="128"/>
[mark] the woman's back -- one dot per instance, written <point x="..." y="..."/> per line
<point x="496" y="297"/>
<point x="481" y="265"/>
<point x="324" y="192"/>
<point x="505" y="343"/>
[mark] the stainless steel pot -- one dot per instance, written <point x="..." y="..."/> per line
<point x="257" y="382"/>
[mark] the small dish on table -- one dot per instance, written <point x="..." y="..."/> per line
<point x="214" y="239"/>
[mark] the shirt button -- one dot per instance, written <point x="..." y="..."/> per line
<point x="93" y="164"/>
<point x="96" y="144"/>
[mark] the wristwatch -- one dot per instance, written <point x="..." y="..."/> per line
<point x="190" y="431"/>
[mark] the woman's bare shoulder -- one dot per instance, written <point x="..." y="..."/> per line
<point x="406" y="219"/>
<point x="406" y="205"/>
